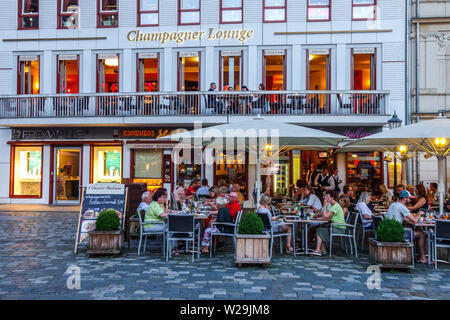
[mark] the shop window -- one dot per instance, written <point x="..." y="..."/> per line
<point x="188" y="12"/>
<point x="108" y="73"/>
<point x="28" y="75"/>
<point x="108" y="13"/>
<point x="233" y="169"/>
<point x="28" y="14"/>
<point x="148" y="12"/>
<point x="148" y="167"/>
<point x="364" y="170"/>
<point x="106" y="164"/>
<point x="231" y="11"/>
<point x="364" y="9"/>
<point x="27" y="171"/>
<point x="319" y="10"/>
<point x="189" y="166"/>
<point x="68" y="77"/>
<point x="231" y="76"/>
<point x="274" y="11"/>
<point x="68" y="14"/>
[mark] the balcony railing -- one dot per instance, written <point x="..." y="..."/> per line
<point x="196" y="103"/>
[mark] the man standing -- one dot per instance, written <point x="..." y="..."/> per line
<point x="212" y="100"/>
<point x="400" y="212"/>
<point x="311" y="175"/>
<point x="324" y="181"/>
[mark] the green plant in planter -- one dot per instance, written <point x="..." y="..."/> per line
<point x="390" y="230"/>
<point x="251" y="223"/>
<point x="107" y="220"/>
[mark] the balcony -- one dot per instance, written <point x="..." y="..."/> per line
<point x="194" y="105"/>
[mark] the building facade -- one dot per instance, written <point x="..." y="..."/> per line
<point x="430" y="72"/>
<point x="86" y="87"/>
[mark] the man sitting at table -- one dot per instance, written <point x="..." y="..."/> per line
<point x="203" y="191"/>
<point x="233" y="205"/>
<point x="146" y="200"/>
<point x="400" y="212"/>
<point x="308" y="198"/>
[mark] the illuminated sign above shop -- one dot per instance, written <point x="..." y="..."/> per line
<point x="181" y="36"/>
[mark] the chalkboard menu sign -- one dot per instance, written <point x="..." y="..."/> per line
<point x="96" y="198"/>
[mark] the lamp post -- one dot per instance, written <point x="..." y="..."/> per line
<point x="441" y="145"/>
<point x="394" y="123"/>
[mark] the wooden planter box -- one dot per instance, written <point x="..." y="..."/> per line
<point x="252" y="248"/>
<point x="391" y="254"/>
<point x="106" y="242"/>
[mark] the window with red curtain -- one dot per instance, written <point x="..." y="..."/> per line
<point x="188" y="12"/>
<point x="68" y="14"/>
<point x="319" y="10"/>
<point x="274" y="11"/>
<point x="231" y="11"/>
<point x="148" y="12"/>
<point x="107" y="13"/>
<point x="28" y="14"/>
<point x="364" y="9"/>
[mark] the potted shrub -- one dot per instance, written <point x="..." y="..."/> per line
<point x="252" y="243"/>
<point x="389" y="249"/>
<point x="107" y="238"/>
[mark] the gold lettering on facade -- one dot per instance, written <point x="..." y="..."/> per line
<point x="182" y="36"/>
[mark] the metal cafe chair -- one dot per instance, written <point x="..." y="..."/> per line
<point x="144" y="234"/>
<point x="182" y="227"/>
<point x="225" y="234"/>
<point x="364" y="228"/>
<point x="376" y="221"/>
<point x="270" y="227"/>
<point x="441" y="237"/>
<point x="350" y="232"/>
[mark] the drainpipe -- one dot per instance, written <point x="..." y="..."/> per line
<point x="408" y="169"/>
<point x="417" y="78"/>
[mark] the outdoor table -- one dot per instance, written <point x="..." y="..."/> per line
<point x="428" y="226"/>
<point x="305" y="223"/>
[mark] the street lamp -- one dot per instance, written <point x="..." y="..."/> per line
<point x="394" y="123"/>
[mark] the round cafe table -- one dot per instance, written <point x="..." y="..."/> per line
<point x="305" y="225"/>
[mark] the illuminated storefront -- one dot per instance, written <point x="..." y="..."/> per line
<point x="106" y="164"/>
<point x="26" y="177"/>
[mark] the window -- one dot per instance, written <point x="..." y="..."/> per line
<point x="28" y="14"/>
<point x="319" y="10"/>
<point x="231" y="70"/>
<point x="363" y="9"/>
<point x="147" y="167"/>
<point x="274" y="11"/>
<point x="28" y="75"/>
<point x="188" y="12"/>
<point x="231" y="11"/>
<point x="148" y="12"/>
<point x="148" y="72"/>
<point x="106" y="164"/>
<point x="108" y="73"/>
<point x="26" y="180"/>
<point x="108" y="13"/>
<point x="68" y="77"/>
<point x="68" y="14"/>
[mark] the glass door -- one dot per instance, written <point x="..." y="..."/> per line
<point x="189" y="80"/>
<point x="318" y="79"/>
<point x="67" y="175"/>
<point x="274" y="77"/>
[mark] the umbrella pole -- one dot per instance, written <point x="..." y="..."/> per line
<point x="441" y="186"/>
<point x="404" y="172"/>
<point x="258" y="178"/>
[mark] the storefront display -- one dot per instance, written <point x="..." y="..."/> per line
<point x="189" y="168"/>
<point x="233" y="170"/>
<point x="364" y="169"/>
<point x="106" y="164"/>
<point x="67" y="174"/>
<point x="27" y="168"/>
<point x="148" y="167"/>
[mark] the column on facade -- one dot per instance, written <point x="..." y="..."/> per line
<point x="252" y="68"/>
<point x="169" y="82"/>
<point x="126" y="74"/>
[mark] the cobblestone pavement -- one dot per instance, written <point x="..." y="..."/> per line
<point x="36" y="250"/>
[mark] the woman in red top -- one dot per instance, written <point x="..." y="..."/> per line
<point x="233" y="205"/>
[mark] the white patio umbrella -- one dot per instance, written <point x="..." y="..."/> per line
<point x="264" y="137"/>
<point x="430" y="136"/>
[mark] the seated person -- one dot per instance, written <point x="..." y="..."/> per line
<point x="146" y="200"/>
<point x="400" y="212"/>
<point x="350" y="193"/>
<point x="233" y="205"/>
<point x="366" y="212"/>
<point x="345" y="204"/>
<point x="336" y="215"/>
<point x="203" y="191"/>
<point x="309" y="198"/>
<point x="192" y="189"/>
<point x="421" y="200"/>
<point x="264" y="207"/>
<point x="223" y="191"/>
<point x="180" y="194"/>
<point x="222" y="216"/>
<point x="237" y="188"/>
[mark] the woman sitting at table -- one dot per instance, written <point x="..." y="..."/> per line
<point x="214" y="194"/>
<point x="155" y="215"/>
<point x="364" y="210"/>
<point x="310" y="199"/>
<point x="222" y="216"/>
<point x="421" y="203"/>
<point x="264" y="207"/>
<point x="386" y="195"/>
<point x="345" y="204"/>
<point x="237" y="188"/>
<point x="336" y="215"/>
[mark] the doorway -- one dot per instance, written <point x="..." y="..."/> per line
<point x="318" y="79"/>
<point x="67" y="175"/>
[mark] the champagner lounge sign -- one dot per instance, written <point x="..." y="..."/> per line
<point x="181" y="36"/>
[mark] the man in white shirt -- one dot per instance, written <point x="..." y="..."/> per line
<point x="146" y="200"/>
<point x="400" y="212"/>
<point x="324" y="181"/>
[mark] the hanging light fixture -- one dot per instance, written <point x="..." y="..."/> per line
<point x="394" y="122"/>
<point x="112" y="62"/>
